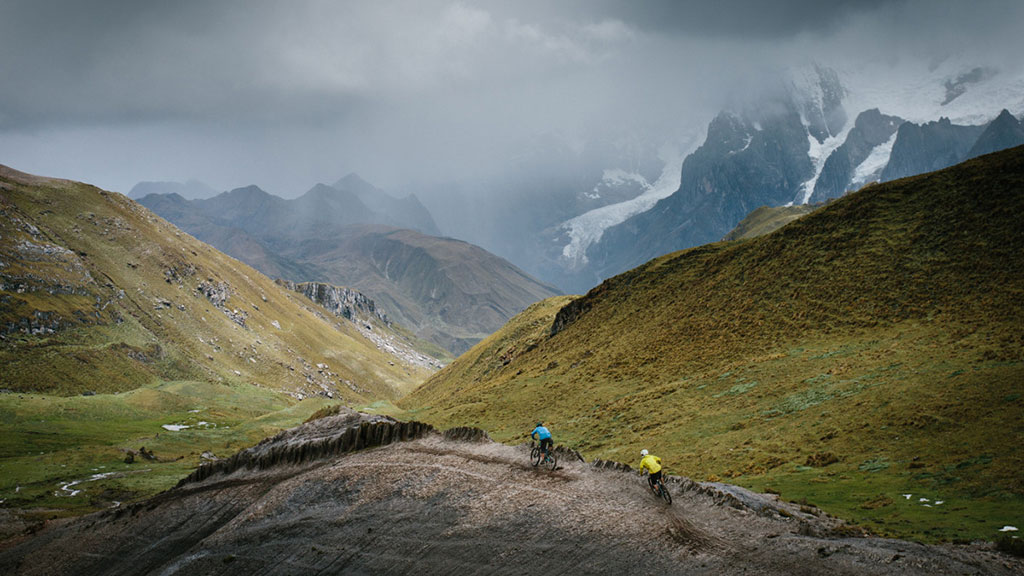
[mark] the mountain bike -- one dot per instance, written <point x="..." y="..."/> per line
<point x="545" y="457"/>
<point x="660" y="490"/>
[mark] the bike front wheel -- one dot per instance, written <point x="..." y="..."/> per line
<point x="535" y="456"/>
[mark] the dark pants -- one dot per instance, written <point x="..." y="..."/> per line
<point x="653" y="478"/>
<point x="546" y="444"/>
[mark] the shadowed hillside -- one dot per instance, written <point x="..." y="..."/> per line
<point x="865" y="352"/>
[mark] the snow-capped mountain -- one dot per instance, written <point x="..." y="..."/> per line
<point x="796" y="148"/>
<point x="585" y="229"/>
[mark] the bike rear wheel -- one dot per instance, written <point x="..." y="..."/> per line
<point x="664" y="492"/>
<point x="554" y="459"/>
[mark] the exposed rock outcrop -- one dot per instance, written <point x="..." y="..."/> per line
<point x="466" y="434"/>
<point x="340" y="300"/>
<point x="284" y="449"/>
<point x="927" y="147"/>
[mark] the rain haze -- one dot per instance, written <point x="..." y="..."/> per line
<point x="287" y="94"/>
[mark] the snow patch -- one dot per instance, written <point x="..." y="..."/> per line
<point x="175" y="427"/>
<point x="67" y="490"/>
<point x="1008" y="529"/>
<point x="876" y="161"/>
<point x="819" y="153"/>
<point x="746" y="145"/>
<point x="618" y="177"/>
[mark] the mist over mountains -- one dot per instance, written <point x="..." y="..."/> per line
<point x="817" y="135"/>
<point x="575" y="212"/>
<point x="353" y="234"/>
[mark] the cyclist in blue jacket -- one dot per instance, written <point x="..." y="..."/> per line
<point x="544" y="435"/>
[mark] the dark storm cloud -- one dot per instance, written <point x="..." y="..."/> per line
<point x="761" y="19"/>
<point x="287" y="93"/>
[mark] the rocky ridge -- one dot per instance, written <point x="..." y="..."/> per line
<point x="363" y="314"/>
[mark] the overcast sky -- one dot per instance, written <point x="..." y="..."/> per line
<point x="284" y="94"/>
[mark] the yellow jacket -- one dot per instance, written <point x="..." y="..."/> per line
<point x="651" y="462"/>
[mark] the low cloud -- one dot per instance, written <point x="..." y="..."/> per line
<point x="288" y="94"/>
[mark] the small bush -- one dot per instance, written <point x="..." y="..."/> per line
<point x="879" y="501"/>
<point x="325" y="412"/>
<point x="821" y="459"/>
<point x="1010" y="545"/>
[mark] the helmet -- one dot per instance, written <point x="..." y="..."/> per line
<point x="643" y="452"/>
<point x="539" y="423"/>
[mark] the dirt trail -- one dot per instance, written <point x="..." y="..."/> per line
<point x="437" y="506"/>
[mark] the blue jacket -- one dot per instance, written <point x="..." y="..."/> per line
<point x="542" y="431"/>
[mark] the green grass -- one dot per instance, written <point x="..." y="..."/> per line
<point x="48" y="441"/>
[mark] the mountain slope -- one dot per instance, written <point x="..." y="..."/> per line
<point x="447" y="292"/>
<point x="868" y="349"/>
<point x="137" y="300"/>
<point x="744" y="163"/>
<point x="871" y="130"/>
<point x="352" y="494"/>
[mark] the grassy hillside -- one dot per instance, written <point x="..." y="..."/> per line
<point x="864" y="357"/>
<point x="767" y="219"/>
<point x="114" y="323"/>
<point x="116" y="297"/>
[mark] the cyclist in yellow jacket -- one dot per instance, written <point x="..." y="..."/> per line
<point x="652" y="464"/>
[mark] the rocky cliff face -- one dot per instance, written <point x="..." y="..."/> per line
<point x="342" y="301"/>
<point x="929" y="147"/>
<point x="870" y="130"/>
<point x="744" y="163"/>
<point x="1002" y="133"/>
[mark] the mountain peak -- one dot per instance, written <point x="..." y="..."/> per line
<point x="251" y="190"/>
<point x="1002" y="133"/>
<point x="192" y="189"/>
<point x="355" y="183"/>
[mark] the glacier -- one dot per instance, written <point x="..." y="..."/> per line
<point x="872" y="166"/>
<point x="587" y="228"/>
